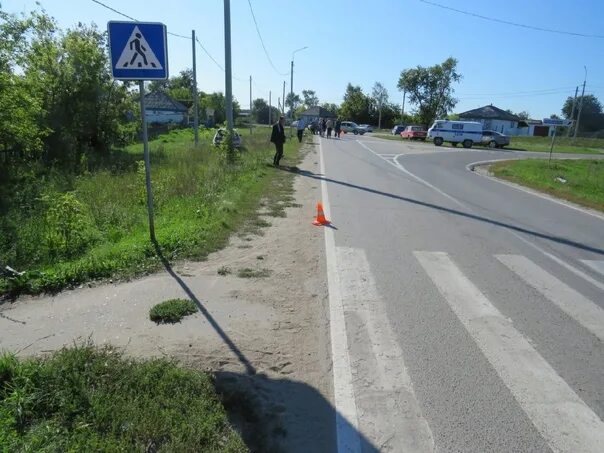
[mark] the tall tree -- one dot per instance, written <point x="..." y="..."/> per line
<point x="260" y="111"/>
<point x="292" y="100"/>
<point x="380" y="96"/>
<point x="431" y="89"/>
<point x="356" y="104"/>
<point x="592" y="117"/>
<point x="310" y="98"/>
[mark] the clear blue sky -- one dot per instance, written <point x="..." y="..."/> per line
<point x="365" y="42"/>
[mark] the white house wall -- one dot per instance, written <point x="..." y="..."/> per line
<point x="502" y="126"/>
<point x="159" y="116"/>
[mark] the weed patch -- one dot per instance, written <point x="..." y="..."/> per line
<point x="172" y="311"/>
<point x="224" y="270"/>
<point x="89" y="399"/>
<point x="248" y="272"/>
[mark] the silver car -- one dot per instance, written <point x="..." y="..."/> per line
<point x="494" y="139"/>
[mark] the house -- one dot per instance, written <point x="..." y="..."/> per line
<point x="161" y="108"/>
<point x="314" y="113"/>
<point x="496" y="119"/>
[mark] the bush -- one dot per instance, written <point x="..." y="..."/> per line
<point x="172" y="311"/>
<point x="89" y="399"/>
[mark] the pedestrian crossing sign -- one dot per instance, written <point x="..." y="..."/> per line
<point x="138" y="50"/>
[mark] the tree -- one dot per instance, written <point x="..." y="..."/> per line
<point x="592" y="118"/>
<point x="331" y="107"/>
<point x="310" y="98"/>
<point x="356" y="104"/>
<point x="431" y="89"/>
<point x="292" y="100"/>
<point x="260" y="111"/>
<point x="380" y="96"/>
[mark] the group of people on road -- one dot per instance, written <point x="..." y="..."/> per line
<point x="324" y="127"/>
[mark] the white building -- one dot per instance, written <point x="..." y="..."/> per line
<point x="161" y="108"/>
<point x="495" y="119"/>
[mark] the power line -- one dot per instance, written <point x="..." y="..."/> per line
<point x="515" y="24"/>
<point x="262" y="41"/>
<point x="132" y="18"/>
<point x="208" y="54"/>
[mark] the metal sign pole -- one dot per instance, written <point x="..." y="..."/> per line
<point x="551" y="149"/>
<point x="141" y="85"/>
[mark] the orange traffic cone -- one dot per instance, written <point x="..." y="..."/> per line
<point x="320" y="220"/>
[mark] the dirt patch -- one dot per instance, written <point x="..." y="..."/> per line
<point x="266" y="338"/>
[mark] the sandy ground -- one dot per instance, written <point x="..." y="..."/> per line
<point x="266" y="338"/>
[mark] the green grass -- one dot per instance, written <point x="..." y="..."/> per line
<point x="562" y="145"/>
<point x="584" y="178"/>
<point x="88" y="399"/>
<point x="172" y="311"/>
<point x="64" y="229"/>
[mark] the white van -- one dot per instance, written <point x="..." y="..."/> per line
<point x="465" y="132"/>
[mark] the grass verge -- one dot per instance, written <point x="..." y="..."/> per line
<point x="65" y="229"/>
<point x="584" y="179"/>
<point x="172" y="311"/>
<point x="248" y="272"/>
<point x="89" y="399"/>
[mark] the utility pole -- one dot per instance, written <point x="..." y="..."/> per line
<point x="580" y="104"/>
<point x="227" y="65"/>
<point x="250" y="105"/>
<point x="195" y="103"/>
<point x="291" y="91"/>
<point x="284" y="98"/>
<point x="572" y="112"/>
<point x="403" y="106"/>
<point x="270" y="108"/>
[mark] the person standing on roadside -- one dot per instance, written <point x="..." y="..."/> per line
<point x="338" y="128"/>
<point x="300" y="128"/>
<point x="278" y="138"/>
<point x="329" y="125"/>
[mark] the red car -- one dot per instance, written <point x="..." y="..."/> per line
<point x="414" y="133"/>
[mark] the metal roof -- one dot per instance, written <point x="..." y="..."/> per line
<point x="161" y="101"/>
<point x="489" y="112"/>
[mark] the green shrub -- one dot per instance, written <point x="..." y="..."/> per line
<point x="171" y="311"/>
<point x="89" y="399"/>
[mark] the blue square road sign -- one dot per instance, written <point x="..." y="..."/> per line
<point x="138" y="50"/>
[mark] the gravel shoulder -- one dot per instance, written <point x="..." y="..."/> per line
<point x="265" y="338"/>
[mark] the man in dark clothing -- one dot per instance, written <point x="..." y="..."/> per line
<point x="278" y="138"/>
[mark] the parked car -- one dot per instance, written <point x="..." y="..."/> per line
<point x="454" y="132"/>
<point x="367" y="127"/>
<point x="414" y="133"/>
<point x="351" y="126"/>
<point x="396" y="130"/>
<point x="219" y="136"/>
<point x="494" y="139"/>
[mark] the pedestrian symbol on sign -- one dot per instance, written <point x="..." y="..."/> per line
<point x="137" y="53"/>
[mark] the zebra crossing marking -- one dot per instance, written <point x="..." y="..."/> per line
<point x="562" y="418"/>
<point x="571" y="302"/>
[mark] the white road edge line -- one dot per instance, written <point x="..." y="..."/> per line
<point x="396" y="164"/>
<point x="404" y="429"/>
<point x="536" y="193"/>
<point x="347" y="425"/>
<point x="571" y="302"/>
<point x="562" y="418"/>
<point x="596" y="265"/>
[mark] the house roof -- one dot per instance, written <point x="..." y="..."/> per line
<point x="318" y="111"/>
<point x="161" y="101"/>
<point x="489" y="112"/>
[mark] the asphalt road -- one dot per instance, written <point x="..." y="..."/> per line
<point x="466" y="315"/>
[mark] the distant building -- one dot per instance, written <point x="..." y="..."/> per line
<point x="536" y="128"/>
<point x="161" y="108"/>
<point x="314" y="113"/>
<point x="495" y="119"/>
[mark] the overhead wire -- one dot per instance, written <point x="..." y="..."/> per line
<point x="515" y="24"/>
<point x="262" y="42"/>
